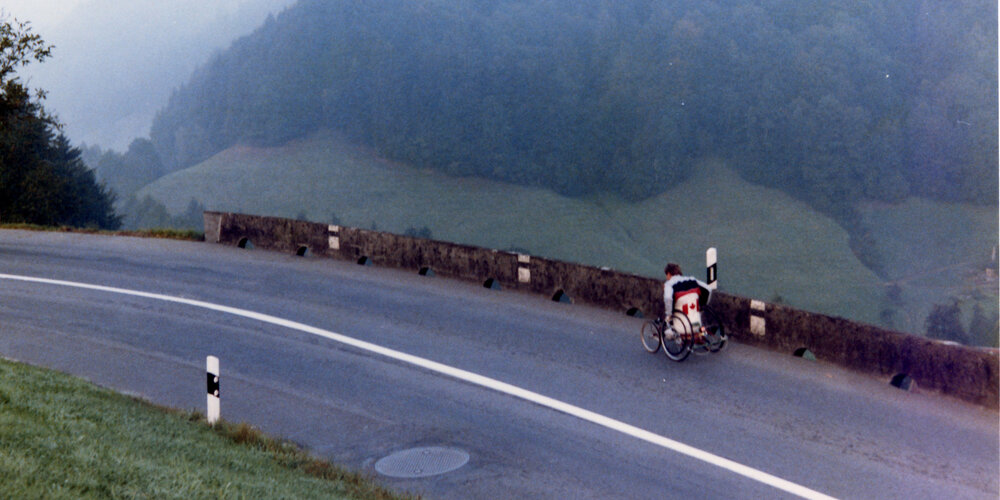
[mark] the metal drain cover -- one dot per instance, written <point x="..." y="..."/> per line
<point x="421" y="462"/>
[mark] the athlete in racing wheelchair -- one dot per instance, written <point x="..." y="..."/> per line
<point x="687" y="323"/>
<point x="684" y="294"/>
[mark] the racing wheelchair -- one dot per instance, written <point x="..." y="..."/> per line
<point x="692" y="327"/>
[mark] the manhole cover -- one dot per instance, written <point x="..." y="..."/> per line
<point x="421" y="462"/>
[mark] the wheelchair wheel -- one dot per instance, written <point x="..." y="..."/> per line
<point x="651" y="332"/>
<point x="678" y="347"/>
<point x="715" y="333"/>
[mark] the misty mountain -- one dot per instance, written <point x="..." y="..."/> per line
<point x="832" y="101"/>
<point x="116" y="63"/>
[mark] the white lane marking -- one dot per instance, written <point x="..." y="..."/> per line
<point x="466" y="376"/>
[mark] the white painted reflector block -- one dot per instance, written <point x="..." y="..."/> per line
<point x="524" y="275"/>
<point x="712" y="269"/>
<point x="212" y="370"/>
<point x="334" y="237"/>
<point x="523" y="272"/>
<point x="758" y="326"/>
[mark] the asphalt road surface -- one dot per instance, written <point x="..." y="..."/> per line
<point x="752" y="418"/>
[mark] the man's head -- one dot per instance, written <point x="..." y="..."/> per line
<point x="672" y="270"/>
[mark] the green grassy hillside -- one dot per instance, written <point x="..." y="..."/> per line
<point x="62" y="437"/>
<point x="938" y="253"/>
<point x="771" y="246"/>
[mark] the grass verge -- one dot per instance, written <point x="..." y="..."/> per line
<point x="63" y="437"/>
<point x="173" y="234"/>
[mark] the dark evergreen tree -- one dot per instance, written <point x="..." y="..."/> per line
<point x="42" y="178"/>
<point x="145" y="213"/>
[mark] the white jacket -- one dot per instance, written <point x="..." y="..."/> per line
<point x="679" y="285"/>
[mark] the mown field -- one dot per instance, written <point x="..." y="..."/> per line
<point x="771" y="246"/>
<point x="62" y="437"/>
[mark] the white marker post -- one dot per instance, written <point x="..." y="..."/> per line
<point x="712" y="269"/>
<point x="465" y="376"/>
<point x="212" y="369"/>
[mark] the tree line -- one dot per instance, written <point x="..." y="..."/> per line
<point x="833" y="102"/>
<point x="126" y="173"/>
<point x="43" y="180"/>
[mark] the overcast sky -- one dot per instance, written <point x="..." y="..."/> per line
<point x="41" y="13"/>
<point x="116" y="62"/>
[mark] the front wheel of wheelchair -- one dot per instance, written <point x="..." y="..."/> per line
<point x="715" y="333"/>
<point x="677" y="344"/>
<point x="651" y="332"/>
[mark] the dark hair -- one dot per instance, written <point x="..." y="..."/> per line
<point x="673" y="269"/>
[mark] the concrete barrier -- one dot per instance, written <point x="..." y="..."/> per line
<point x="970" y="374"/>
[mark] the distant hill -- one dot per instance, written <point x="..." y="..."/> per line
<point x="770" y="245"/>
<point x="830" y="102"/>
<point x="577" y="130"/>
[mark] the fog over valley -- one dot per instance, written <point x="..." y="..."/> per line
<point x="116" y="63"/>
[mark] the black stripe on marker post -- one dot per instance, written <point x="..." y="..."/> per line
<point x="213" y="384"/>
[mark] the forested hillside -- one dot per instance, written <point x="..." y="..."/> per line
<point x="830" y="101"/>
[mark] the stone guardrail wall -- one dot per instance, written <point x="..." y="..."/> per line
<point x="970" y="374"/>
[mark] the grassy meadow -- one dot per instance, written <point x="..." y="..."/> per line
<point x="771" y="246"/>
<point x="937" y="253"/>
<point x="62" y="437"/>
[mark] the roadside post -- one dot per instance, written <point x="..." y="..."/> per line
<point x="711" y="268"/>
<point x="212" y="369"/>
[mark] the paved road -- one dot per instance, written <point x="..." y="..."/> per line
<point x="809" y="423"/>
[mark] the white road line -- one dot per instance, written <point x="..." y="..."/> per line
<point x="466" y="376"/>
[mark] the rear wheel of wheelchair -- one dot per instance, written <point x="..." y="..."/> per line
<point x="651" y="335"/>
<point x="715" y="333"/>
<point x="678" y="346"/>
